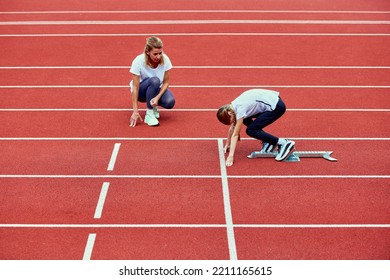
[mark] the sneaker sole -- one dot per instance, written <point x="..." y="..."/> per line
<point x="153" y="124"/>
<point x="157" y="124"/>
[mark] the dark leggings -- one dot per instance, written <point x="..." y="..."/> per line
<point x="149" y="88"/>
<point x="255" y="124"/>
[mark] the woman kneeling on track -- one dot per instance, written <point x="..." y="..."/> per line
<point x="150" y="82"/>
<point x="255" y="108"/>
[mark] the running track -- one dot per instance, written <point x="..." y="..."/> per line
<point x="76" y="182"/>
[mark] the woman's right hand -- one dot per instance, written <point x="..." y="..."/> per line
<point x="134" y="117"/>
<point x="229" y="161"/>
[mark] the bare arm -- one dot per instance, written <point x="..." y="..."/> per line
<point x="233" y="141"/>
<point x="229" y="138"/>
<point x="135" y="116"/>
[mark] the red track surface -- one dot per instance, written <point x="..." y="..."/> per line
<point x="62" y="115"/>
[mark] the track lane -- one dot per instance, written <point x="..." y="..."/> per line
<point x="73" y="201"/>
<point x="188" y="14"/>
<point x="52" y="157"/>
<point x="353" y="157"/>
<point x="174" y="124"/>
<point x="310" y="201"/>
<point x="63" y="5"/>
<point x="190" y="98"/>
<point x="195" y="201"/>
<point x="181" y="76"/>
<point x="95" y="51"/>
<point x="136" y="244"/>
<point x="313" y="244"/>
<point x="49" y="201"/>
<point x="189" y="30"/>
<point x="42" y="244"/>
<point x="171" y="157"/>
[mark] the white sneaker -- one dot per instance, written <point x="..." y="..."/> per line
<point x="156" y="113"/>
<point x="150" y="119"/>
<point x="285" y="150"/>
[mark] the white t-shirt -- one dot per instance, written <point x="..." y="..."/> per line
<point x="140" y="68"/>
<point x="255" y="101"/>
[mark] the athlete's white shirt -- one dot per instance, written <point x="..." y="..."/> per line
<point x="140" y="68"/>
<point x="255" y="101"/>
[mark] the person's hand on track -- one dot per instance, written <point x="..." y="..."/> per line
<point x="134" y="117"/>
<point x="229" y="161"/>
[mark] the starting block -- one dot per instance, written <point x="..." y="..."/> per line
<point x="295" y="155"/>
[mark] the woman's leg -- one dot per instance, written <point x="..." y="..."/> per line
<point x="255" y="129"/>
<point x="149" y="88"/>
<point x="167" y="100"/>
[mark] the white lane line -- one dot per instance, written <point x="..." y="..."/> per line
<point x="114" y="155"/>
<point x="193" y="226"/>
<point x="190" y="22"/>
<point x="102" y="199"/>
<point x="30" y="176"/>
<point x="89" y="246"/>
<point x="191" y="34"/>
<point x="312" y="176"/>
<point x="226" y="203"/>
<point x="201" y="11"/>
<point x="314" y="226"/>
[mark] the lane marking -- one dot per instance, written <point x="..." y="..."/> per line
<point x="312" y="176"/>
<point x="102" y="199"/>
<point x="226" y="203"/>
<point x="192" y="34"/>
<point x="196" y="22"/>
<point x="89" y="246"/>
<point x="372" y="176"/>
<point x="193" y="226"/>
<point x="199" y="11"/>
<point x="114" y="155"/>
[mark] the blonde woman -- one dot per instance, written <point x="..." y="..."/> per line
<point x="256" y="109"/>
<point x="150" y="82"/>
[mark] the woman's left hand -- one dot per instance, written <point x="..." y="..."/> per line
<point x="154" y="102"/>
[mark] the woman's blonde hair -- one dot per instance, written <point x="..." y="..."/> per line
<point x="223" y="114"/>
<point x="153" y="42"/>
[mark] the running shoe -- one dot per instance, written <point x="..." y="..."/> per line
<point x="150" y="119"/>
<point x="285" y="150"/>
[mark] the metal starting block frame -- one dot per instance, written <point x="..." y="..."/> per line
<point x="296" y="155"/>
